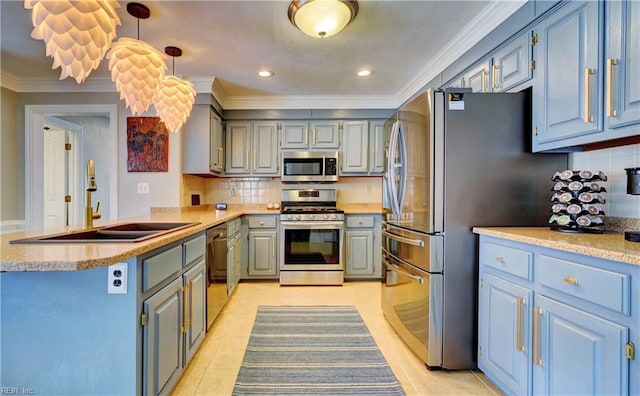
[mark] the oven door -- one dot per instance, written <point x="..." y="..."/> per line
<point x="412" y="303"/>
<point x="311" y="245"/>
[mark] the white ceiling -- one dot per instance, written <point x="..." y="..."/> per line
<point x="406" y="43"/>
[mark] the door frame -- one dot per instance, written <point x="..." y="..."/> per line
<point x="34" y="155"/>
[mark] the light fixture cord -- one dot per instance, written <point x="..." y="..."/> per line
<point x="138" y="27"/>
<point x="173" y="60"/>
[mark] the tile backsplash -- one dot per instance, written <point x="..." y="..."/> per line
<point x="612" y="162"/>
<point x="253" y="190"/>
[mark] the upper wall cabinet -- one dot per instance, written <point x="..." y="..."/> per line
<point x="203" y="142"/>
<point x="509" y="66"/>
<point x="362" y="148"/>
<point x="588" y="89"/>
<point x="324" y="134"/>
<point x="622" y="64"/>
<point x="568" y="86"/>
<point x="252" y="148"/>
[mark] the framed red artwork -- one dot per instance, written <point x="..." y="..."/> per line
<point x="147" y="145"/>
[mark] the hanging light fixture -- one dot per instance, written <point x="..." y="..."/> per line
<point x="77" y="34"/>
<point x="322" y="18"/>
<point x="136" y="67"/>
<point x="176" y="96"/>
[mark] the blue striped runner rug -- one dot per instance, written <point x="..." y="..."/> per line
<point x="313" y="350"/>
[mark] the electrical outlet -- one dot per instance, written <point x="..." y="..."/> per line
<point x="143" y="188"/>
<point x="117" y="279"/>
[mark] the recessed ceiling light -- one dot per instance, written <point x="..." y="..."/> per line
<point x="265" y="73"/>
<point x="365" y="73"/>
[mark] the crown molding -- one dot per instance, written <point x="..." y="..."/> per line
<point x="218" y="92"/>
<point x="484" y="23"/>
<point x="9" y="81"/>
<point x="281" y="102"/>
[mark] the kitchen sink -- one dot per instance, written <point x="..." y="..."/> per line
<point x="117" y="233"/>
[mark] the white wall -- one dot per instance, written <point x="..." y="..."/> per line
<point x="9" y="209"/>
<point x="612" y="162"/>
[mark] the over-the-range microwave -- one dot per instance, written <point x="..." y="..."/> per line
<point x="309" y="166"/>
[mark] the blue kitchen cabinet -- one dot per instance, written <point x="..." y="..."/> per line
<point x="511" y="64"/>
<point x="503" y="336"/>
<point x="622" y="67"/>
<point x="234" y="255"/>
<point x="194" y="281"/>
<point x="477" y="78"/>
<point x="576" y="352"/>
<point x="552" y="322"/>
<point x="567" y="88"/>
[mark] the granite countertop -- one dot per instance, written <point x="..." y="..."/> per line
<point x="609" y="246"/>
<point x="81" y="256"/>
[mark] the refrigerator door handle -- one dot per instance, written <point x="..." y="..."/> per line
<point x="397" y="269"/>
<point x="391" y="174"/>
<point x="402" y="147"/>
<point x="414" y="242"/>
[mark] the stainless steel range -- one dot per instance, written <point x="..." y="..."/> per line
<point x="311" y="235"/>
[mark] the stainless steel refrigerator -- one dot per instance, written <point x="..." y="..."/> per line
<point x="455" y="160"/>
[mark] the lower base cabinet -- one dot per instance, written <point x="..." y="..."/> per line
<point x="234" y="255"/>
<point x="262" y="235"/>
<point x="362" y="247"/>
<point x="173" y="317"/>
<point x="557" y="323"/>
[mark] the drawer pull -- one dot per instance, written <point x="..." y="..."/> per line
<point x="500" y="259"/>
<point x="570" y="280"/>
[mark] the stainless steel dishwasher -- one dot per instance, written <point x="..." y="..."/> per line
<point x="216" y="272"/>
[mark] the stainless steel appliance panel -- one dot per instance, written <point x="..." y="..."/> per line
<point x="216" y="272"/>
<point x="309" y="166"/>
<point x="412" y="303"/>
<point x="311" y="245"/>
<point x="421" y="250"/>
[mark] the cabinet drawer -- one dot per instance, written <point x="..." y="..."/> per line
<point x="262" y="222"/>
<point x="360" y="221"/>
<point x="157" y="268"/>
<point x="606" y="288"/>
<point x="193" y="250"/>
<point x="511" y="260"/>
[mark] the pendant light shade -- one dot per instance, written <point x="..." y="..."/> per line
<point x="77" y="34"/>
<point x="137" y="69"/>
<point x="322" y="18"/>
<point x="174" y="102"/>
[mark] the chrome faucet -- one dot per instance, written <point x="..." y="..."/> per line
<point x="89" y="214"/>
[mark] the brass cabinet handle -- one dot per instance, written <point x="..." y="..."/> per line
<point x="246" y="159"/>
<point x="306" y="136"/>
<point x="500" y="259"/>
<point x="314" y="135"/>
<point x="255" y="162"/>
<point x="610" y="105"/>
<point x="485" y="74"/>
<point x="190" y="320"/>
<point x="570" y="280"/>
<point x="495" y="76"/>
<point x="519" y="345"/>
<point x="183" y="328"/>
<point x="588" y="72"/>
<point x="537" y="360"/>
<point x="220" y="155"/>
<point x="464" y="84"/>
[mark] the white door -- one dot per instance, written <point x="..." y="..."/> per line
<point x="55" y="177"/>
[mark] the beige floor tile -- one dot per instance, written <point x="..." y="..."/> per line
<point x="215" y="367"/>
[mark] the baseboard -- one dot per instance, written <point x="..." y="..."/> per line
<point x="7" y="226"/>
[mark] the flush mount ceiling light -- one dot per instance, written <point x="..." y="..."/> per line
<point x="266" y="73"/>
<point x="136" y="67"/>
<point x="365" y="73"/>
<point x="175" y="97"/>
<point x="322" y="18"/>
<point x="77" y="34"/>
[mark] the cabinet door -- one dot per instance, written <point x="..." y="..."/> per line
<point x="355" y="147"/>
<point x="231" y="260"/>
<point x="567" y="90"/>
<point x="359" y="253"/>
<point x="578" y="353"/>
<point x="216" y="144"/>
<point x="477" y="78"/>
<point x="262" y="253"/>
<point x="195" y="141"/>
<point x="504" y="313"/>
<point x="325" y="134"/>
<point x="238" y="147"/>
<point x="163" y="339"/>
<point x="376" y="147"/>
<point x="511" y="65"/>
<point x="295" y="134"/>
<point x="622" y="86"/>
<point x="265" y="148"/>
<point x="195" y="282"/>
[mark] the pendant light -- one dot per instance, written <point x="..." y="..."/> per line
<point x="77" y="34"/>
<point x="136" y="67"/>
<point x="176" y="96"/>
<point x="322" y="18"/>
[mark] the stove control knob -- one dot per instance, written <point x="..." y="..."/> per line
<point x="325" y="216"/>
<point x="312" y="217"/>
<point x="333" y="217"/>
<point x="298" y="217"/>
<point x="289" y="217"/>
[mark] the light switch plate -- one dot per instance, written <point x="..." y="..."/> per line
<point x="143" y="188"/>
